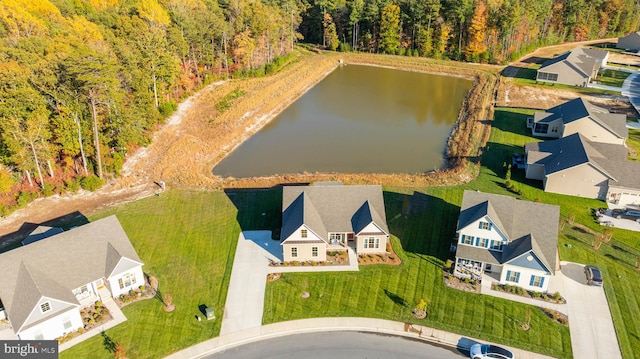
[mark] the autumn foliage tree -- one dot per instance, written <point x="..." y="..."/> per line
<point x="476" y="45"/>
<point x="330" y="34"/>
<point x="390" y="29"/>
<point x="84" y="82"/>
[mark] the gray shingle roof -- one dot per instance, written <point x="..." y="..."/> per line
<point x="479" y="254"/>
<point x="581" y="60"/>
<point x="524" y="245"/>
<point x="578" y="109"/>
<point x="517" y="220"/>
<point x="41" y="232"/>
<point x="325" y="207"/>
<point x="54" y="266"/>
<point x="567" y="152"/>
<point x="574" y="150"/>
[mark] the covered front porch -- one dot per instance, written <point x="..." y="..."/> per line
<point x="340" y="241"/>
<point x="91" y="292"/>
<point x="476" y="270"/>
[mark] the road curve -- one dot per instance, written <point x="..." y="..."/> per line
<point x="339" y="344"/>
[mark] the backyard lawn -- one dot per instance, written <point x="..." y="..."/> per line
<point x="633" y="142"/>
<point x="422" y="240"/>
<point x="613" y="78"/>
<point x="527" y="76"/>
<point x="187" y="240"/>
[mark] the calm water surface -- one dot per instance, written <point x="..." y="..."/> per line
<point x="357" y="119"/>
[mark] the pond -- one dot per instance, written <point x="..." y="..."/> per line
<point x="359" y="119"/>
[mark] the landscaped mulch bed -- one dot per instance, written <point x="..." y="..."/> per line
<point x="390" y="258"/>
<point x="142" y="293"/>
<point x="551" y="298"/>
<point x="556" y="316"/>
<point x="466" y="285"/>
<point x="333" y="258"/>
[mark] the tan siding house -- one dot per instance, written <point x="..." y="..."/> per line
<point x="576" y="166"/>
<point x="585" y="180"/>
<point x="329" y="216"/>
<point x="576" y="67"/>
<point x="580" y="116"/>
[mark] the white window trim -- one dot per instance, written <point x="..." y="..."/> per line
<point x="45" y="304"/>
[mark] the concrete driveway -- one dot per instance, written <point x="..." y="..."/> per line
<point x="590" y="322"/>
<point x="245" y="297"/>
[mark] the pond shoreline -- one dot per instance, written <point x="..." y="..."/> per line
<point x="463" y="148"/>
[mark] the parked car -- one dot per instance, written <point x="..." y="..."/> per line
<point x="629" y="214"/>
<point x="594" y="275"/>
<point x="481" y="351"/>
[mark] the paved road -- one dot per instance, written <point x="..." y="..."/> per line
<point x="337" y="345"/>
<point x="590" y="322"/>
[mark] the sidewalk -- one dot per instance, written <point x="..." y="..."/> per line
<point x="427" y="334"/>
<point x="118" y="317"/>
<point x="556" y="285"/>
<point x="245" y="298"/>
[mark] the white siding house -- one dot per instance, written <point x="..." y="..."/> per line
<point x="45" y="283"/>
<point x="514" y="240"/>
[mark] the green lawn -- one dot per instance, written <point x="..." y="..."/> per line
<point x="422" y="240"/>
<point x="527" y="76"/>
<point x="187" y="240"/>
<point x="613" y="78"/>
<point x="633" y="142"/>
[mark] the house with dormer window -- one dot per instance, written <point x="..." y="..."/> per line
<point x="515" y="241"/>
<point x="46" y="282"/>
<point x="331" y="216"/>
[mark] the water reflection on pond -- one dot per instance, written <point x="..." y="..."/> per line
<point x="357" y="119"/>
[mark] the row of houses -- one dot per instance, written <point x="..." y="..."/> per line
<point x="55" y="274"/>
<point x="496" y="234"/>
<point x="588" y="155"/>
<point x="580" y="66"/>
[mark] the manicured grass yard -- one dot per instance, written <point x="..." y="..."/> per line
<point x="391" y="293"/>
<point x="527" y="76"/>
<point x="187" y="240"/>
<point x="633" y="142"/>
<point x="613" y="78"/>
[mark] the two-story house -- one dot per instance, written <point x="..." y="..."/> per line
<point x="516" y="241"/>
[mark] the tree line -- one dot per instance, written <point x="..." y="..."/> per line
<point x="494" y="31"/>
<point x="84" y="81"/>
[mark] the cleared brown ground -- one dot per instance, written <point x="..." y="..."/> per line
<point x="513" y="95"/>
<point x="197" y="136"/>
